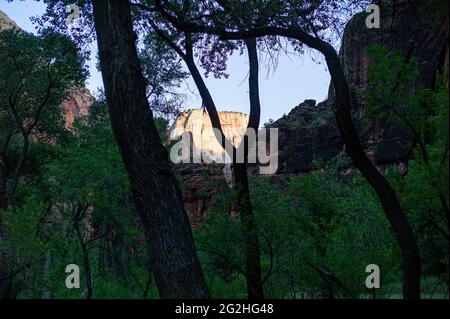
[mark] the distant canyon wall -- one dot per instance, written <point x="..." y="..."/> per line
<point x="79" y="99"/>
<point x="309" y="135"/>
<point x="198" y="123"/>
<point x="77" y="104"/>
<point x="200" y="182"/>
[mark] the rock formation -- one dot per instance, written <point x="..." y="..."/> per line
<point x="77" y="104"/>
<point x="6" y="22"/>
<point x="202" y="181"/>
<point x="309" y="132"/>
<point x="307" y="135"/>
<point x="79" y="99"/>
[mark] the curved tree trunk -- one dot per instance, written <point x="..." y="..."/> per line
<point x="156" y="194"/>
<point x="250" y="229"/>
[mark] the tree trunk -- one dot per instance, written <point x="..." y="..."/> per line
<point x="249" y="231"/>
<point x="244" y="206"/>
<point x="156" y="194"/>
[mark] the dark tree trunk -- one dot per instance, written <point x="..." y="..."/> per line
<point x="244" y="206"/>
<point x="157" y="197"/>
<point x="249" y="231"/>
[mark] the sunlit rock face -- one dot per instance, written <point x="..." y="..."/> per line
<point x="79" y="99"/>
<point x="5" y="22"/>
<point x="198" y="123"/>
<point x="202" y="181"/>
<point x="77" y="104"/>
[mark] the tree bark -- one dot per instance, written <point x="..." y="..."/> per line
<point x="156" y="194"/>
<point x="5" y="270"/>
<point x="255" y="288"/>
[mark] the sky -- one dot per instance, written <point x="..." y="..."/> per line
<point x="295" y="79"/>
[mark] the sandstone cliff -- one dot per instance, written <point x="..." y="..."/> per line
<point x="200" y="182"/>
<point x="77" y="104"/>
<point x="79" y="99"/>
<point x="198" y="123"/>
<point x="6" y="22"/>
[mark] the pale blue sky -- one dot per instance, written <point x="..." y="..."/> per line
<point x="294" y="80"/>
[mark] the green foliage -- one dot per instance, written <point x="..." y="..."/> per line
<point x="67" y="172"/>
<point x="433" y="12"/>
<point x="394" y="95"/>
<point x="316" y="219"/>
<point x="90" y="169"/>
<point x="25" y="242"/>
<point x="85" y="171"/>
<point x="36" y="74"/>
<point x="90" y="172"/>
<point x="423" y="205"/>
